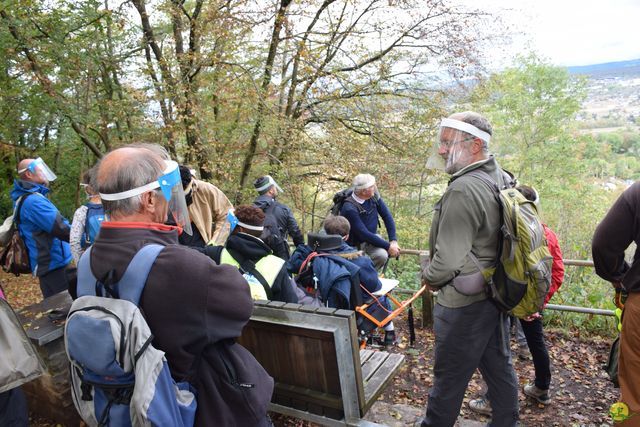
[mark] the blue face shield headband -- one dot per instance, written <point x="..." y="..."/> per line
<point x="170" y="186"/>
<point x="233" y="221"/>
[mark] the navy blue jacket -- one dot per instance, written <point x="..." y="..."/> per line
<point x="45" y="232"/>
<point x="364" y="222"/>
<point x="335" y="274"/>
<point x="286" y="222"/>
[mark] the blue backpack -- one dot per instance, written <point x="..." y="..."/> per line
<point x="117" y="377"/>
<point x="92" y="223"/>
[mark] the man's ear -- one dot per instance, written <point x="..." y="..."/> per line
<point x="477" y="145"/>
<point x="149" y="201"/>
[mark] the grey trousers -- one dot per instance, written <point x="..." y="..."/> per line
<point x="378" y="255"/>
<point x="466" y="338"/>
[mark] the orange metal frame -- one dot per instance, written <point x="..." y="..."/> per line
<point x="400" y="306"/>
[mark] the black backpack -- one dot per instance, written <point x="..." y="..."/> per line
<point x="272" y="235"/>
<point x="344" y="196"/>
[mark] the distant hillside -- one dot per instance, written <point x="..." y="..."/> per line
<point x="609" y="69"/>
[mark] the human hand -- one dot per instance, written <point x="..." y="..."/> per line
<point x="394" y="249"/>
<point x="534" y="316"/>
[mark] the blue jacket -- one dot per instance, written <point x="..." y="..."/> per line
<point x="364" y="222"/>
<point x="368" y="273"/>
<point x="336" y="274"/>
<point x="44" y="231"/>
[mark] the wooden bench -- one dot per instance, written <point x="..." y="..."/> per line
<point x="313" y="355"/>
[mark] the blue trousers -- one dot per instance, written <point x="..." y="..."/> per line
<point x="13" y="409"/>
<point x="469" y="338"/>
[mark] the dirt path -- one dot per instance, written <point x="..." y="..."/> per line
<point x="582" y="392"/>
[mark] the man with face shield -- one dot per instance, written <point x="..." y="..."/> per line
<point x="194" y="308"/>
<point x="44" y="231"/>
<point x="279" y="221"/>
<point x="470" y="331"/>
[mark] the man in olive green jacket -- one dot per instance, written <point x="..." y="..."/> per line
<point x="470" y="331"/>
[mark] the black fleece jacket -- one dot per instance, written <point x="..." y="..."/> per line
<point x="254" y="249"/>
<point x="612" y="237"/>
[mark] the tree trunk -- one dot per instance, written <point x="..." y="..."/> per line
<point x="266" y="80"/>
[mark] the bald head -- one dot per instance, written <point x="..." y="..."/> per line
<point x="24" y="163"/>
<point x="35" y="176"/>
<point x="125" y="169"/>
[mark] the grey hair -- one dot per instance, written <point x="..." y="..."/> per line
<point x="135" y="171"/>
<point x="476" y="120"/>
<point x="156" y="148"/>
<point x="92" y="177"/>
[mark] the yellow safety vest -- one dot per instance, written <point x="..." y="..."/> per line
<point x="268" y="266"/>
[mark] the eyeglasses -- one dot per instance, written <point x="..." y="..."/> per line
<point x="448" y="144"/>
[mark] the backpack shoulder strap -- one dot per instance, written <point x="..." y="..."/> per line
<point x="486" y="178"/>
<point x="86" y="279"/>
<point x="137" y="272"/>
<point x="271" y="208"/>
<point x="249" y="266"/>
<point x="358" y="206"/>
<point x="19" y="203"/>
<point x="135" y="275"/>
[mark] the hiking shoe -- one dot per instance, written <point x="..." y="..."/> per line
<point x="390" y="338"/>
<point x="523" y="352"/>
<point x="542" y="396"/>
<point x="480" y="405"/>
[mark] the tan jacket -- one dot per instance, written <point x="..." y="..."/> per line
<point x="209" y="211"/>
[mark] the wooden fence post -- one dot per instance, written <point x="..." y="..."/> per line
<point x="427" y="299"/>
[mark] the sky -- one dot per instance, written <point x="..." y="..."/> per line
<point x="569" y="32"/>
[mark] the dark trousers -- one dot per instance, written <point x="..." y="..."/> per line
<point x="470" y="337"/>
<point x="538" y="348"/>
<point x="53" y="282"/>
<point x="13" y="409"/>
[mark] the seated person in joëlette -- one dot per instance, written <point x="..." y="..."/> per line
<point x="265" y="273"/>
<point x="364" y="271"/>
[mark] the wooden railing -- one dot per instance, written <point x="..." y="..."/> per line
<point x="428" y="300"/>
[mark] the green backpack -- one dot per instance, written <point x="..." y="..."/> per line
<point x="520" y="279"/>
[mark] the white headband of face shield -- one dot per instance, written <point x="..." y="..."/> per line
<point x="270" y="182"/>
<point x="171" y="166"/>
<point x="466" y="127"/>
<point x="251" y="227"/>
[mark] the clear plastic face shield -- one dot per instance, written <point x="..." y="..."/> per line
<point x="170" y="186"/>
<point x="448" y="153"/>
<point x="38" y="166"/>
<point x="232" y="220"/>
<point x="269" y="183"/>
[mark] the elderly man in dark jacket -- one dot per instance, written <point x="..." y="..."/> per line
<point x="194" y="308"/>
